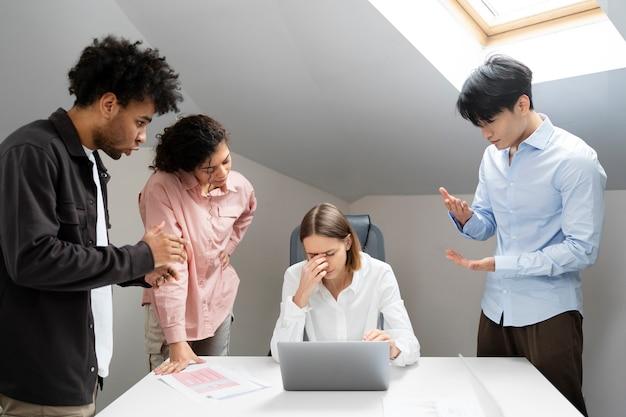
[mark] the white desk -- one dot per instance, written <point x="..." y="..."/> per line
<point x="519" y="389"/>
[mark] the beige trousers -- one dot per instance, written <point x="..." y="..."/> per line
<point x="10" y="407"/>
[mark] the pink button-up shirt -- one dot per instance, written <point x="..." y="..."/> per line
<point x="193" y="307"/>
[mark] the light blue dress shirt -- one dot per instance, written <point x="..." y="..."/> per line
<point x="546" y="209"/>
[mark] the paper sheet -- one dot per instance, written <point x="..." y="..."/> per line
<point x="204" y="380"/>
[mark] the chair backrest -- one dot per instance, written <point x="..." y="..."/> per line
<point x="369" y="235"/>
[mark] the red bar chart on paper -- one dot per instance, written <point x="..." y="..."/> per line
<point x="205" y="381"/>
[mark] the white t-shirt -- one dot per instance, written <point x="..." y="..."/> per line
<point x="101" y="298"/>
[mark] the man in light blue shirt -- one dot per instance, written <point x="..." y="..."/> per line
<point x="540" y="191"/>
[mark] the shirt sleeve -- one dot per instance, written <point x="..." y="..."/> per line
<point x="482" y="224"/>
<point x="34" y="255"/>
<point x="292" y="319"/>
<point x="581" y="183"/>
<point x="241" y="224"/>
<point x="396" y="320"/>
<point x="171" y="297"/>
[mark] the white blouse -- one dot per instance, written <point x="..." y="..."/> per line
<point x="373" y="290"/>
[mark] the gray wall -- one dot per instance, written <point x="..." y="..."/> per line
<point x="443" y="300"/>
<point x="41" y="40"/>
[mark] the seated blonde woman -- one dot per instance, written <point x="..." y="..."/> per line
<point x="338" y="292"/>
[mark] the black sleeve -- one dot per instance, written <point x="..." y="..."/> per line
<point x="33" y="254"/>
<point x="139" y="282"/>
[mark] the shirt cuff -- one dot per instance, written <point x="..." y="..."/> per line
<point x="472" y="227"/>
<point x="469" y="226"/>
<point x="507" y="264"/>
<point x="455" y="222"/>
<point x="174" y="334"/>
<point x="400" y="360"/>
<point x="142" y="261"/>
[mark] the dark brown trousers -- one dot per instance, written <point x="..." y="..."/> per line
<point x="554" y="346"/>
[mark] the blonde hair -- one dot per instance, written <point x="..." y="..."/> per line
<point x="327" y="220"/>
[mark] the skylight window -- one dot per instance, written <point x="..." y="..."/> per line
<point x="555" y="38"/>
<point x="499" y="16"/>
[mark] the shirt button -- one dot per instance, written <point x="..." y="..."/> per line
<point x="92" y="369"/>
<point x="90" y="326"/>
<point x="90" y="201"/>
<point x="90" y="242"/>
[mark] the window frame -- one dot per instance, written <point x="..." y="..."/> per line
<point x="582" y="12"/>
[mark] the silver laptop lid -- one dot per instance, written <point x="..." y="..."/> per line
<point x="334" y="366"/>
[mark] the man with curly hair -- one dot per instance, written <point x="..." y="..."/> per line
<point x="56" y="264"/>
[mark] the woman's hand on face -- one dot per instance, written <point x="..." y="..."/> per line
<point x="312" y="274"/>
<point x="377" y="335"/>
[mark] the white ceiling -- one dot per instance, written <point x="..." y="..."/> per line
<point x="324" y="91"/>
<point x="328" y="92"/>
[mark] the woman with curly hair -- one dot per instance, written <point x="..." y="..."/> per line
<point x="199" y="198"/>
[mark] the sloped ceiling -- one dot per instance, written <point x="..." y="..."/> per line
<point x="328" y="92"/>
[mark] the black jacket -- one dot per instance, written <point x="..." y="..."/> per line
<point x="49" y="264"/>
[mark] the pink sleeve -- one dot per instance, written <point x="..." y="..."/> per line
<point x="170" y="298"/>
<point x="241" y="224"/>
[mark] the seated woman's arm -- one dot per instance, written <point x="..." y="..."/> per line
<point x="292" y="319"/>
<point x="396" y="321"/>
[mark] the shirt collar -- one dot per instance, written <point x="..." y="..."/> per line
<point x="359" y="275"/>
<point x="68" y="133"/>
<point x="357" y="281"/>
<point x="190" y="181"/>
<point x="88" y="152"/>
<point x="94" y="157"/>
<point x="540" y="137"/>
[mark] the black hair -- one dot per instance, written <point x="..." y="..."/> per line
<point x="118" y="66"/>
<point x="188" y="143"/>
<point x="493" y="87"/>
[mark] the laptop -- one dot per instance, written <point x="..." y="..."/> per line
<point x="334" y="366"/>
